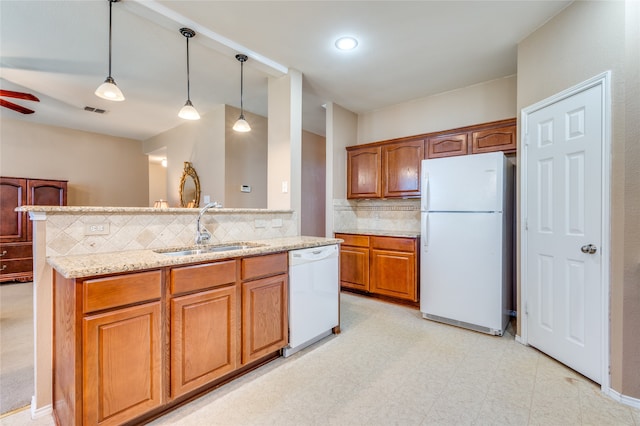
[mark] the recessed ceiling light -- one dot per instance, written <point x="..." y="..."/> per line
<point x="346" y="43"/>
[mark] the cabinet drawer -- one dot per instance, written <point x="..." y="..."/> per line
<point x="199" y="277"/>
<point x="15" y="266"/>
<point x="354" y="240"/>
<point x="15" y="251"/>
<point x="105" y="293"/>
<point x="394" y="243"/>
<point x="263" y="266"/>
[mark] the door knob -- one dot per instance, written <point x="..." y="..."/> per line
<point x="589" y="249"/>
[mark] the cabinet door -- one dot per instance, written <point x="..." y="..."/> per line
<point x="45" y="193"/>
<point x="264" y="317"/>
<point x="363" y="173"/>
<point x="393" y="273"/>
<point x="203" y="338"/>
<point x="13" y="225"/>
<point x="354" y="267"/>
<point x="401" y="168"/>
<point x="122" y="364"/>
<point x="447" y="145"/>
<point x="500" y="139"/>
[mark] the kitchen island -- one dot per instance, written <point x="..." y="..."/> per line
<point x="90" y="242"/>
<point x="140" y="332"/>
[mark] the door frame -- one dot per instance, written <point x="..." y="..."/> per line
<point x="603" y="80"/>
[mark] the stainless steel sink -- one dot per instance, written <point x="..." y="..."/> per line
<point x="206" y="249"/>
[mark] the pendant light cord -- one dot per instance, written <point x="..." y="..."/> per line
<point x="110" y="6"/>
<point x="241" y="88"/>
<point x="188" y="78"/>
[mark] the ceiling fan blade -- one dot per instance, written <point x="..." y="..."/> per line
<point x="18" y="95"/>
<point x="15" y="107"/>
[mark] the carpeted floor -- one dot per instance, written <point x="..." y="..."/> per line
<point x="16" y="345"/>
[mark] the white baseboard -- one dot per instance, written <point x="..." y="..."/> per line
<point x="40" y="412"/>
<point x="627" y="400"/>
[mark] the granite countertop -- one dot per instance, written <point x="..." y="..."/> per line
<point x="381" y="233"/>
<point x="131" y="210"/>
<point x="134" y="260"/>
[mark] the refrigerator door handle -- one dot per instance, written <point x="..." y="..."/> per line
<point x="425" y="232"/>
<point x="425" y="192"/>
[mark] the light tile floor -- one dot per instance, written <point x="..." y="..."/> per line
<point x="391" y="367"/>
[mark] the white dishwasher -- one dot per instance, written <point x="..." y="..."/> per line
<point x="314" y="296"/>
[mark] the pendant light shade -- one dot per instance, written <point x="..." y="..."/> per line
<point x="241" y="125"/>
<point x="108" y="90"/>
<point x="188" y="112"/>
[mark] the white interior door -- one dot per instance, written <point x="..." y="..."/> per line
<point x="563" y="233"/>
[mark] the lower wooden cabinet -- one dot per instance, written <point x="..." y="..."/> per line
<point x="354" y="261"/>
<point x="122" y="364"/>
<point x="264" y="306"/>
<point x="129" y="344"/>
<point x="386" y="266"/>
<point x="203" y="338"/>
<point x="264" y="317"/>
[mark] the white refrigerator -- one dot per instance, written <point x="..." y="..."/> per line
<point x="466" y="241"/>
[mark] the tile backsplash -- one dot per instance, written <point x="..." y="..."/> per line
<point x="68" y="233"/>
<point x="387" y="215"/>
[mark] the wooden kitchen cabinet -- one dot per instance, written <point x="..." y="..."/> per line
<point x="448" y="145"/>
<point x="203" y="338"/>
<point x="16" y="256"/>
<point x="122" y="359"/>
<point x="108" y="339"/>
<point x="364" y="178"/>
<point x="385" y="266"/>
<point x="394" y="267"/>
<point x="401" y="163"/>
<point x="494" y="139"/>
<point x="265" y="326"/>
<point x="129" y="346"/>
<point x="204" y="325"/>
<point x="354" y="261"/>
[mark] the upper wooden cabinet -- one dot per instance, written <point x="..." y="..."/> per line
<point x="498" y="139"/>
<point x="363" y="172"/>
<point x="448" y="145"/>
<point x="391" y="169"/>
<point x="401" y="163"/>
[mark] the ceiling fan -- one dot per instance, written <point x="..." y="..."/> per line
<point x="17" y="95"/>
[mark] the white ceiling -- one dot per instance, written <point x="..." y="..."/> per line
<point x="58" y="51"/>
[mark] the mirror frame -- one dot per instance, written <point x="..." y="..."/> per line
<point x="189" y="172"/>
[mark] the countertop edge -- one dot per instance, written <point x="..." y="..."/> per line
<point x="135" y="210"/>
<point x="380" y="233"/>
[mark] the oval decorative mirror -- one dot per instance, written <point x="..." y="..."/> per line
<point x="189" y="187"/>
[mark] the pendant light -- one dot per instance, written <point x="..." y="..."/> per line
<point x="108" y="90"/>
<point x="188" y="112"/>
<point x="241" y="125"/>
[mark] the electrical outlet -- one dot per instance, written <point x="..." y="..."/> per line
<point x="245" y="188"/>
<point x="285" y="186"/>
<point x="260" y="223"/>
<point x="207" y="199"/>
<point x="96" y="228"/>
<point x="276" y="223"/>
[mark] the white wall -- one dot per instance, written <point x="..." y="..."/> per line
<point x="489" y="101"/>
<point x="200" y="142"/>
<point x="342" y="126"/>
<point x="157" y="183"/>
<point x="102" y="170"/>
<point x="285" y="141"/>
<point x="246" y="161"/>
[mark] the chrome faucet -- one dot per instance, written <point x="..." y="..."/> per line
<point x="202" y="235"/>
